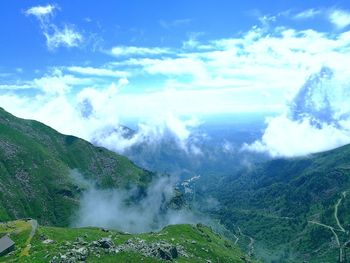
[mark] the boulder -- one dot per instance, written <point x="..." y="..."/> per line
<point x="106" y="242"/>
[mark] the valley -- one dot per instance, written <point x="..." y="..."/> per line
<point x="277" y="210"/>
<point x="47" y="234"/>
<point x="294" y="209"/>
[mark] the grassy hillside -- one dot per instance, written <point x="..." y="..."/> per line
<point x="36" y="164"/>
<point x="186" y="243"/>
<point x="293" y="210"/>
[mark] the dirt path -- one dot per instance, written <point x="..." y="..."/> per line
<point x="34" y="225"/>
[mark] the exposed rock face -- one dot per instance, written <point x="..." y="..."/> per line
<point x="79" y="250"/>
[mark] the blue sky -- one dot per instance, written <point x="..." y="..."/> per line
<point x="136" y="23"/>
<point x="146" y="23"/>
<point x="94" y="64"/>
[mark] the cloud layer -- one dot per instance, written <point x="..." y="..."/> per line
<point x="167" y="88"/>
<point x="114" y="209"/>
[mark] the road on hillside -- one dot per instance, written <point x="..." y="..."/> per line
<point x="340" y="227"/>
<point x="336" y="211"/>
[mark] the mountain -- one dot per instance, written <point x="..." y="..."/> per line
<point x="292" y="210"/>
<point x="182" y="243"/>
<point x="43" y="175"/>
<point x="39" y="167"/>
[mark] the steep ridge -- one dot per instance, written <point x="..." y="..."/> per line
<point x="295" y="209"/>
<point x="36" y="167"/>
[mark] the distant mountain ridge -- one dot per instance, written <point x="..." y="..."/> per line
<point x="36" y="163"/>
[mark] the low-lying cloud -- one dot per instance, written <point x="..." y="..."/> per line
<point x="116" y="209"/>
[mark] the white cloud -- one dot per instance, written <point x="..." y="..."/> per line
<point x="56" y="37"/>
<point x="57" y="83"/>
<point x="258" y="71"/>
<point x="306" y="14"/>
<point x="41" y="11"/>
<point x="152" y="132"/>
<point x="258" y="62"/>
<point x="94" y="114"/>
<point x="339" y="18"/>
<point x="138" y="51"/>
<point x="318" y="119"/>
<point x="101" y="72"/>
<point x="16" y="86"/>
<point x="107" y="208"/>
<point x="287" y="138"/>
<point x="65" y="37"/>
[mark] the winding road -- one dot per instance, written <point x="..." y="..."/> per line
<point x="339" y="228"/>
<point x="336" y="211"/>
<point x="251" y="243"/>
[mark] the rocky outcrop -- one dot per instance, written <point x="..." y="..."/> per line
<point x="80" y="250"/>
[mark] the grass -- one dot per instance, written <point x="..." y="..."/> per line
<point x="199" y="241"/>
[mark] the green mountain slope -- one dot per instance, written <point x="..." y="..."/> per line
<point x="294" y="209"/>
<point x="36" y="165"/>
<point x="179" y="243"/>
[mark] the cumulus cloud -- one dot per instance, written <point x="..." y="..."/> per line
<point x="339" y="18"/>
<point x="284" y="137"/>
<point x="317" y="119"/>
<point x="154" y="133"/>
<point x="94" y="114"/>
<point x="67" y="36"/>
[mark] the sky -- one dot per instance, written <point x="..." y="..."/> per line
<point x="80" y="66"/>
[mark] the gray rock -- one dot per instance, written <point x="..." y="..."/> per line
<point x="48" y="241"/>
<point x="173" y="252"/>
<point x="106" y="242"/>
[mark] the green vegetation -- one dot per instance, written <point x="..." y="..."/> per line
<point x="200" y="243"/>
<point x="281" y="211"/>
<point x="36" y="165"/>
<point x="282" y="205"/>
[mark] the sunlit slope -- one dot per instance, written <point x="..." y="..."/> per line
<point x="182" y="243"/>
<point x="35" y="167"/>
<point x="296" y="209"/>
